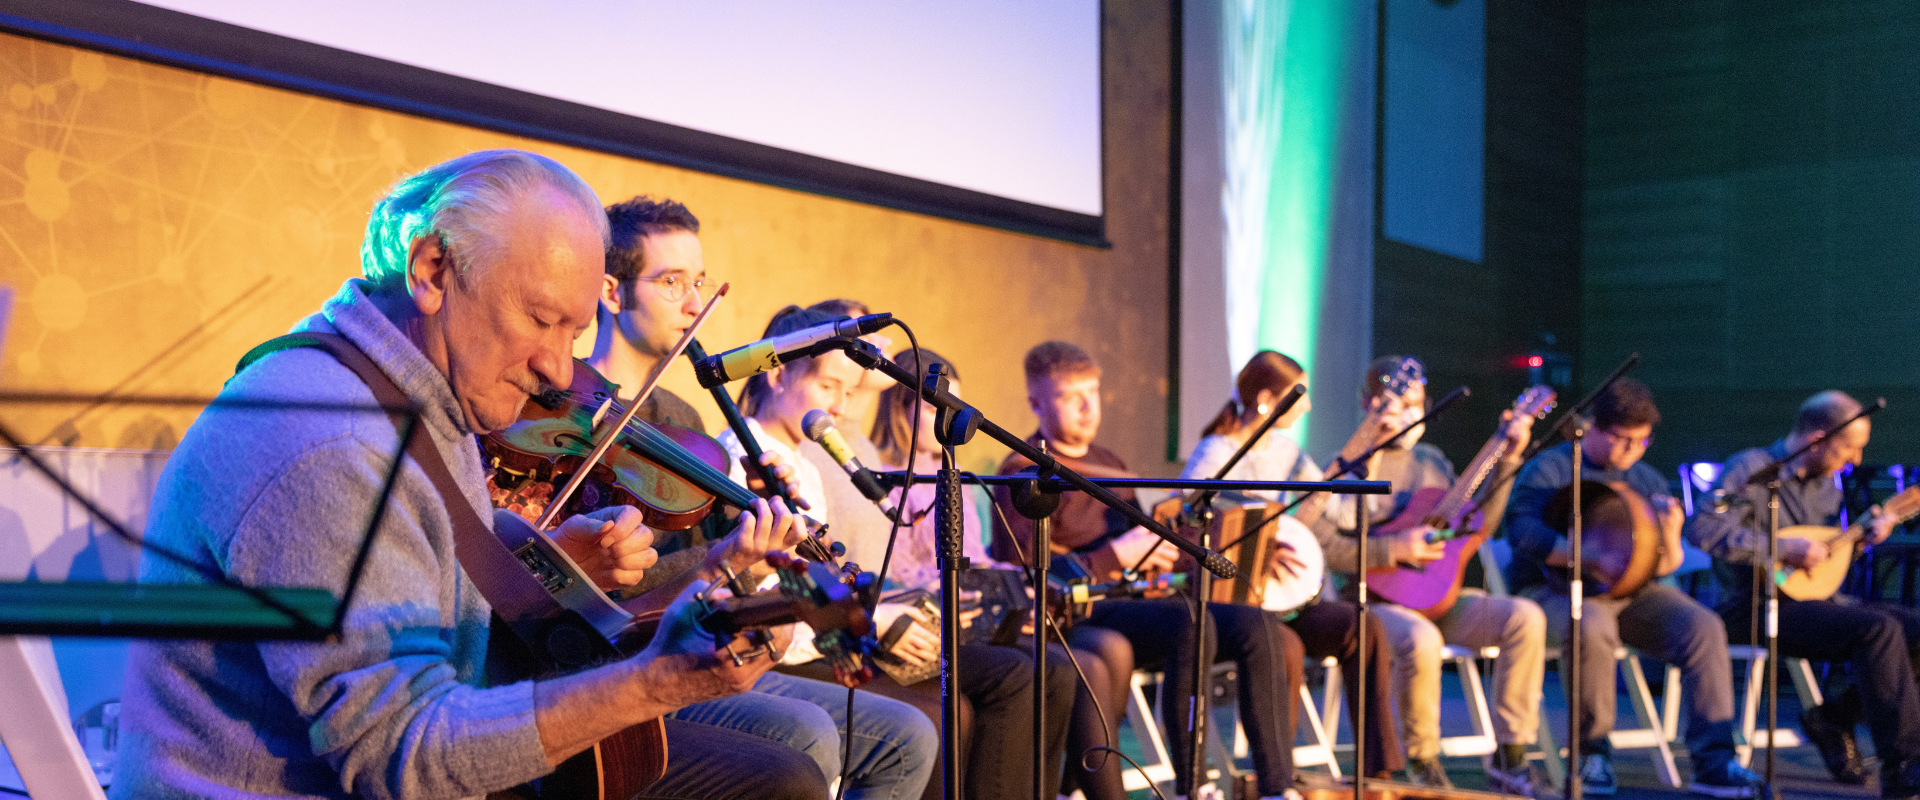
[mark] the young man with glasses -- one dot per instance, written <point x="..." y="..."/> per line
<point x="1659" y="620"/>
<point x="648" y="299"/>
<point x="1876" y="639"/>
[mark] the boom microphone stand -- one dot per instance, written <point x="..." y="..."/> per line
<point x="1571" y="427"/>
<point x="1769" y="476"/>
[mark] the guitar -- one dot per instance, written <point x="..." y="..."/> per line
<point x="1820" y="582"/>
<point x="576" y="624"/>
<point x="1434" y="588"/>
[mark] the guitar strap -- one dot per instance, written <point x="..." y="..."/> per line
<point x="519" y="602"/>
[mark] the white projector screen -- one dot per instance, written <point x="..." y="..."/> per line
<point x="972" y="110"/>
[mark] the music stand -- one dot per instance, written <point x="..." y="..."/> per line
<point x="222" y="608"/>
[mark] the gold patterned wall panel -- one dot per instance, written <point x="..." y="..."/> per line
<point x="157" y="222"/>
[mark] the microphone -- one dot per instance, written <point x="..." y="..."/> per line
<point x="763" y="355"/>
<point x="818" y="426"/>
<point x="1080" y="593"/>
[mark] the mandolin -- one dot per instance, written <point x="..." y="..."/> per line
<point x="1820" y="582"/>
<point x="1434" y="588"/>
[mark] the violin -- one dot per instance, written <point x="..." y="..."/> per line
<point x="673" y="475"/>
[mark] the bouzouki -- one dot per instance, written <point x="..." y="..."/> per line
<point x="1820" y="582"/>
<point x="1434" y="588"/>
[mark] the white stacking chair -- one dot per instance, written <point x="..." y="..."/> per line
<point x="35" y="728"/>
<point x="1157" y="761"/>
<point x="1805" y="684"/>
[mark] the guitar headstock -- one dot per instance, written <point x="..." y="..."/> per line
<point x="1403" y="379"/>
<point x="1903" y="506"/>
<point x="1535" y="402"/>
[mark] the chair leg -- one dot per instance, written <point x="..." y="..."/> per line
<point x="1321" y="751"/>
<point x="1155" y="761"/>
<point x="1550" y="751"/>
<point x="1805" y="683"/>
<point x="1670" y="705"/>
<point x="1330" y="704"/>
<point x="1481" y="743"/>
<point x="1651" y="717"/>
<point x="1750" y="704"/>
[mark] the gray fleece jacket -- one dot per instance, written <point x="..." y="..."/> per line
<point x="397" y="707"/>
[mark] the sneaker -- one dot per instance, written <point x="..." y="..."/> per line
<point x="1427" y="772"/>
<point x="1524" y="780"/>
<point x="1596" y="775"/>
<point x="1900" y="781"/>
<point x="1728" y="779"/>
<point x="1837" y="745"/>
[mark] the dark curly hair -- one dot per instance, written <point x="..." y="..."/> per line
<point x="642" y="216"/>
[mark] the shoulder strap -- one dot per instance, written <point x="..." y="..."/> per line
<point x="522" y="603"/>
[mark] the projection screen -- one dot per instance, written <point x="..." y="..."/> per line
<point x="984" y="111"/>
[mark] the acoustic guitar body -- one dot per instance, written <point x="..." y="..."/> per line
<point x="1821" y="582"/>
<point x="1433" y="589"/>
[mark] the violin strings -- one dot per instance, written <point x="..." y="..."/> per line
<point x="688" y="466"/>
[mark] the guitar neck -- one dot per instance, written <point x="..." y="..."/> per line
<point x="1453" y="506"/>
<point x="1901" y="507"/>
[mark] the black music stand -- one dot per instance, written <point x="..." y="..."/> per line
<point x="221" y="609"/>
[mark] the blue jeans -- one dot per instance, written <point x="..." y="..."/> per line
<point x="893" y="744"/>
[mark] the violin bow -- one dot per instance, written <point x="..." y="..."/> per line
<point x="612" y="433"/>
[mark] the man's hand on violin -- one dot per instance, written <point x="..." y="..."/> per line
<point x="766" y="527"/>
<point x="611" y="545"/>
<point x="780" y="469"/>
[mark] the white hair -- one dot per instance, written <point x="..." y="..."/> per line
<point x="463" y="201"/>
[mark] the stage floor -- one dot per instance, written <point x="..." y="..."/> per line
<point x="1799" y="772"/>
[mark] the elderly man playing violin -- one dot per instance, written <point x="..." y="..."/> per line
<point x="479" y="274"/>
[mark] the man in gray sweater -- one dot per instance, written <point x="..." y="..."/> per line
<point x="479" y="274"/>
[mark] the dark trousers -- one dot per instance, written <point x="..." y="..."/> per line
<point x="1161" y="633"/>
<point x="1877" y="641"/>
<point x="705" y="764"/>
<point x="996" y="717"/>
<point x="1329" y="629"/>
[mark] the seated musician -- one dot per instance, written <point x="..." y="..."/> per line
<point x="1659" y="620"/>
<point x="649" y="297"/>
<point x="998" y="737"/>
<point x="997" y="681"/>
<point x="1063" y="389"/>
<point x="479" y="274"/>
<point x="1876" y="640"/>
<point x="1476" y="620"/>
<point x="1325" y="628"/>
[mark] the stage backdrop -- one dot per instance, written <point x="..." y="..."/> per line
<point x="158" y="222"/>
